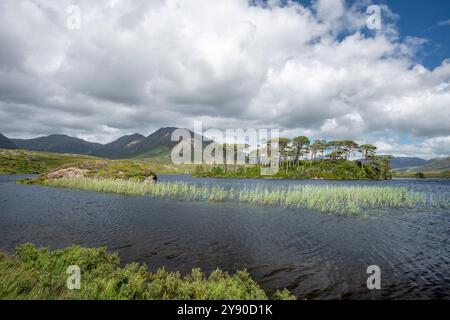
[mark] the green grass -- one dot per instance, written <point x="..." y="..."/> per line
<point x="328" y="199"/>
<point x="31" y="162"/>
<point x="40" y="274"/>
<point x="37" y="162"/>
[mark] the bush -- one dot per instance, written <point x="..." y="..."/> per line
<point x="41" y="274"/>
<point x="420" y="175"/>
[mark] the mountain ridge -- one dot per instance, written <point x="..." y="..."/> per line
<point x="436" y="165"/>
<point x="6" y="143"/>
<point x="405" y="162"/>
<point x="136" y="145"/>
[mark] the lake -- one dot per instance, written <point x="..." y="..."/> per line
<point x="315" y="255"/>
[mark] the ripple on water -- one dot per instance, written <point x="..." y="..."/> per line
<point x="315" y="255"/>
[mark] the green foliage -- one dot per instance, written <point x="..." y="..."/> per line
<point x="37" y="162"/>
<point x="420" y="175"/>
<point x="308" y="169"/>
<point x="41" y="274"/>
<point x="30" y="162"/>
<point x="125" y="169"/>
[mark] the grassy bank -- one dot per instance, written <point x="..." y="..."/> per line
<point x="329" y="199"/>
<point x="41" y="274"/>
<point x="31" y="162"/>
<point x="37" y="162"/>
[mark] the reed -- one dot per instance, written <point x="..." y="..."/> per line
<point x="329" y="199"/>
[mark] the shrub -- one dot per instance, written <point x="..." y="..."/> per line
<point x="41" y="274"/>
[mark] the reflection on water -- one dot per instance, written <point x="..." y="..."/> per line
<point x="315" y="255"/>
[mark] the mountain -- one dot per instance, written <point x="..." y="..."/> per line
<point x="59" y="143"/>
<point x="122" y="147"/>
<point x="438" y="165"/>
<point x="434" y="165"/>
<point x="404" y="162"/>
<point x="158" y="144"/>
<point x="6" y="143"/>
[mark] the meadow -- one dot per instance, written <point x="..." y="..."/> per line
<point x="323" y="198"/>
<point x="33" y="162"/>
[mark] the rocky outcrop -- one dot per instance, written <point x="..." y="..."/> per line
<point x="125" y="170"/>
<point x="70" y="172"/>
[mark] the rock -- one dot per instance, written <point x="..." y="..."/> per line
<point x="151" y="179"/>
<point x="70" y="173"/>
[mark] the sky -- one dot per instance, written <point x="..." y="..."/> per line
<point x="305" y="67"/>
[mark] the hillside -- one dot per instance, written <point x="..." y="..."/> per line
<point x="59" y="143"/>
<point x="6" y="143"/>
<point x="436" y="165"/>
<point x="122" y="147"/>
<point x="33" y="162"/>
<point x="433" y="167"/>
<point x="405" y="162"/>
<point x="157" y="145"/>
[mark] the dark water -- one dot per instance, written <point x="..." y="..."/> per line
<point x="316" y="256"/>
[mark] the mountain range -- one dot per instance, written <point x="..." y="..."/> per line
<point x="405" y="162"/>
<point x="159" y="144"/>
<point x="6" y="143"/>
<point x="438" y="165"/>
<point x="131" y="146"/>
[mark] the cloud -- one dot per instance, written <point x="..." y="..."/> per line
<point x="444" y="23"/>
<point x="427" y="149"/>
<point x="136" y="66"/>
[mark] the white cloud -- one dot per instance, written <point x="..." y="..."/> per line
<point x="427" y="149"/>
<point x="444" y="23"/>
<point x="135" y="66"/>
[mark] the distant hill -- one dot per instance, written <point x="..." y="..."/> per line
<point x="404" y="162"/>
<point x="157" y="144"/>
<point x="59" y="143"/>
<point x="6" y="143"/>
<point x="122" y="147"/>
<point x="437" y="165"/>
<point x="434" y="165"/>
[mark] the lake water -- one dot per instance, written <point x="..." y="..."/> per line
<point x="315" y="255"/>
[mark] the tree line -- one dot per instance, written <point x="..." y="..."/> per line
<point x="301" y="147"/>
<point x="300" y="158"/>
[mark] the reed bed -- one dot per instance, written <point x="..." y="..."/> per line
<point x="329" y="199"/>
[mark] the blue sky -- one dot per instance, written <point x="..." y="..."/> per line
<point x="422" y="19"/>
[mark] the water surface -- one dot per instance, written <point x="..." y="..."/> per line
<point x="315" y="255"/>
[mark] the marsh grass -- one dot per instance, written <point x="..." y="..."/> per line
<point x="41" y="274"/>
<point x="328" y="199"/>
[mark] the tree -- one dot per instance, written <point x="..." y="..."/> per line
<point x="282" y="144"/>
<point x="383" y="166"/>
<point x="299" y="143"/>
<point x="337" y="155"/>
<point x="349" y="147"/>
<point x="316" y="147"/>
<point x="322" y="147"/>
<point x="367" y="151"/>
<point x="420" y="175"/>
